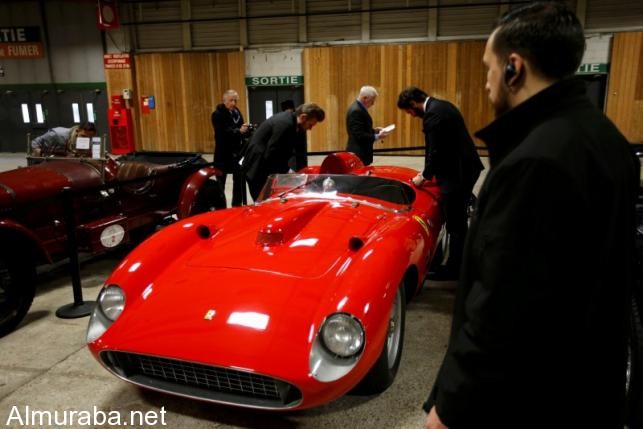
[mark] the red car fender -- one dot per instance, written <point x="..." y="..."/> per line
<point x="32" y="241"/>
<point x="190" y="190"/>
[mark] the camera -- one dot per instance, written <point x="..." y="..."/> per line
<point x="252" y="127"/>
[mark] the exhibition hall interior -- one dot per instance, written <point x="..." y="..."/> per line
<point x="321" y="213"/>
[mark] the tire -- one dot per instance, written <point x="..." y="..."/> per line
<point x="634" y="374"/>
<point x="17" y="289"/>
<point x="209" y="198"/>
<point x="383" y="372"/>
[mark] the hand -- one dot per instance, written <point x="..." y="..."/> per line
<point x="377" y="129"/>
<point x="243" y="129"/>
<point x="433" y="420"/>
<point x="418" y="180"/>
<point x="381" y="135"/>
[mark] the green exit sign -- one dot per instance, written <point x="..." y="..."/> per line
<point x="592" y="68"/>
<point x="275" y="81"/>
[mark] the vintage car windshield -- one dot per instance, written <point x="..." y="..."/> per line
<point x="331" y="185"/>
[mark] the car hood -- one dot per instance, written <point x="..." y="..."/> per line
<point x="221" y="317"/>
<point x="300" y="238"/>
<point x="45" y="180"/>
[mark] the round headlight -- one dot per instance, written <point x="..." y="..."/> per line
<point x="111" y="302"/>
<point x="343" y="335"/>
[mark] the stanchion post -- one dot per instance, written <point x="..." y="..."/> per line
<point x="78" y="308"/>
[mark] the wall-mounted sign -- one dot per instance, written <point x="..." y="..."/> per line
<point x="592" y="68"/>
<point x="116" y="61"/>
<point x="20" y="43"/>
<point x="275" y="81"/>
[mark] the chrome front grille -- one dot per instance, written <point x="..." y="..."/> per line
<point x="203" y="381"/>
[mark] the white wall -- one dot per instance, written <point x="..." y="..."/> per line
<point x="75" y="50"/>
<point x="274" y="62"/>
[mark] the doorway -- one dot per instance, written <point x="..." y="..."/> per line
<point x="265" y="101"/>
<point x="27" y="112"/>
<point x="596" y="86"/>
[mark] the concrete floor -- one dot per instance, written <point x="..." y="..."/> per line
<point x="45" y="366"/>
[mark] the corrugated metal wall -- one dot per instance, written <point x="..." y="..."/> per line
<point x="221" y="31"/>
<point x="281" y="29"/>
<point x="159" y="36"/>
<point x="333" y="27"/>
<point x="466" y="18"/>
<point x="215" y="24"/>
<point x="609" y="14"/>
<point x="410" y="23"/>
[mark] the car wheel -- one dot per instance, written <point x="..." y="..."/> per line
<point x="382" y="374"/>
<point x="634" y="373"/>
<point x="17" y="290"/>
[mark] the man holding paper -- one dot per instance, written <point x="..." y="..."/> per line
<point x="451" y="157"/>
<point x="359" y="125"/>
<point x="61" y="141"/>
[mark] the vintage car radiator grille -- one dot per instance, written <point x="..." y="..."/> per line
<point x="203" y="381"/>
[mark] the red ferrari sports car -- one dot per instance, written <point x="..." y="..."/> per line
<point x="285" y="304"/>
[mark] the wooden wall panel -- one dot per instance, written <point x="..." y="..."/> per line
<point x="186" y="87"/>
<point x="625" y="85"/>
<point x="449" y="70"/>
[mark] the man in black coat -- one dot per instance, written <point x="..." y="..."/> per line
<point x="229" y="131"/>
<point x="359" y="125"/>
<point x="274" y="143"/>
<point x="539" y="329"/>
<point x="451" y="157"/>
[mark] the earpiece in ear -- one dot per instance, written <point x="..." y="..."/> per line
<point x="510" y="71"/>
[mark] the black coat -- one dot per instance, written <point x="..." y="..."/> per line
<point x="227" y="137"/>
<point x="450" y="154"/>
<point x="273" y="145"/>
<point x="361" y="134"/>
<point x="539" y="328"/>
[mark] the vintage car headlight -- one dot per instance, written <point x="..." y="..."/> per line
<point x="336" y="348"/>
<point x="109" y="306"/>
<point x="342" y="335"/>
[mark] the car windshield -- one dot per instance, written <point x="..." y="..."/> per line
<point x="331" y="185"/>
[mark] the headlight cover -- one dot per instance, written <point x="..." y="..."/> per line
<point x="342" y="335"/>
<point x="109" y="306"/>
<point x="336" y="348"/>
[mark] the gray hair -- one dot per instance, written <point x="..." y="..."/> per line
<point x="367" y="91"/>
<point x="230" y="93"/>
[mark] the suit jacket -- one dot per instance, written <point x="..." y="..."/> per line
<point x="228" y="139"/>
<point x="450" y="154"/>
<point x="539" y="325"/>
<point x="361" y="134"/>
<point x="272" y="145"/>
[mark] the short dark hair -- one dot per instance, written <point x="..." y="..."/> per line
<point x="412" y="93"/>
<point x="311" y="110"/>
<point x="547" y="34"/>
<point x="87" y="126"/>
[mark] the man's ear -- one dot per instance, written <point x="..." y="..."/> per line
<point x="514" y="69"/>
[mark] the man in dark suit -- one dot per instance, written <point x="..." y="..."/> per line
<point x="451" y="157"/>
<point x="359" y="125"/>
<point x="229" y="131"/>
<point x="274" y="142"/>
<point x="541" y="318"/>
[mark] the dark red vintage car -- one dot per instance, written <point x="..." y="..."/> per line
<point x="111" y="202"/>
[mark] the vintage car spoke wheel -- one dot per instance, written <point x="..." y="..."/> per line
<point x="383" y="372"/>
<point x="634" y="371"/>
<point x="394" y="331"/>
<point x="17" y="290"/>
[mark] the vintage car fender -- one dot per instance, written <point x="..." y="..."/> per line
<point x="192" y="186"/>
<point x="34" y="245"/>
